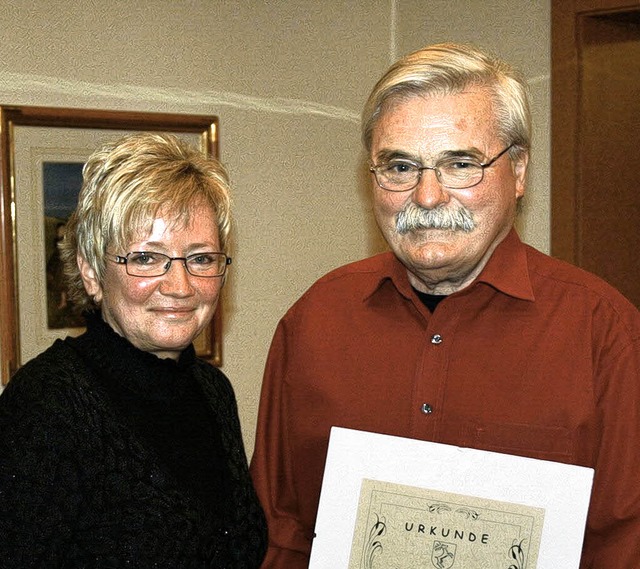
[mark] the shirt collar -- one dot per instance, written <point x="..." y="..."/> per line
<point x="507" y="271"/>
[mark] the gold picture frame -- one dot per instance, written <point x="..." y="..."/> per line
<point x="29" y="138"/>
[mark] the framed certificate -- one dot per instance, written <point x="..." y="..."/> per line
<point x="390" y="502"/>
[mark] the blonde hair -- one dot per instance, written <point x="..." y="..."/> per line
<point x="446" y="69"/>
<point x="125" y="184"/>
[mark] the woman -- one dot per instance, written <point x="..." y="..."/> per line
<point x="120" y="448"/>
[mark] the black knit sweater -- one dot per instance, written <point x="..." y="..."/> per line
<point x="111" y="457"/>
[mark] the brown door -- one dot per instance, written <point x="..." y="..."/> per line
<point x="595" y="164"/>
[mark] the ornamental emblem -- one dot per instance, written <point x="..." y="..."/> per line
<point x="443" y="555"/>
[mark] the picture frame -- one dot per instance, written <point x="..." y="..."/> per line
<point x="31" y="138"/>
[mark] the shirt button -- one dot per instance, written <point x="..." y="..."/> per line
<point x="427" y="409"/>
<point x="436" y="339"/>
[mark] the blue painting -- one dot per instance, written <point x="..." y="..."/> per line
<point x="61" y="182"/>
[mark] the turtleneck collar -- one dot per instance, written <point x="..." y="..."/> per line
<point x="117" y="359"/>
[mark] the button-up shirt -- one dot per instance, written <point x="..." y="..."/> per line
<point x="535" y="358"/>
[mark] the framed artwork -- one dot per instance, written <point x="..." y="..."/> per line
<point x="42" y="152"/>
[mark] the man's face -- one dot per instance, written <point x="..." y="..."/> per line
<point x="424" y="130"/>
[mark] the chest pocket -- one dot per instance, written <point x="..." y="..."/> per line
<point x="534" y="441"/>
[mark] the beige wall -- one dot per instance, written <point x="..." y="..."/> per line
<point x="287" y="79"/>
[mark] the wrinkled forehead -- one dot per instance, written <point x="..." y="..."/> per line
<point x="436" y="123"/>
<point x="478" y="99"/>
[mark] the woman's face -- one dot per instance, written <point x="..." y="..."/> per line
<point x="161" y="315"/>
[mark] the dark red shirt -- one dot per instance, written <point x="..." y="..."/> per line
<point x="535" y="358"/>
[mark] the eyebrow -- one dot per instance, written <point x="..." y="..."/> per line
<point x="389" y="155"/>
<point x="159" y="246"/>
<point x="385" y="156"/>
<point x="474" y="153"/>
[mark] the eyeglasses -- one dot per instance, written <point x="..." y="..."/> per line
<point x="455" y="172"/>
<point x="150" y="264"/>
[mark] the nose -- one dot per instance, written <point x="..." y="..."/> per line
<point x="176" y="281"/>
<point x="429" y="193"/>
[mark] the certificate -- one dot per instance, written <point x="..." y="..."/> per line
<point x="407" y="527"/>
<point x="395" y="503"/>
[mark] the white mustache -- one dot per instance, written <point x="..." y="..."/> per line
<point x="414" y="217"/>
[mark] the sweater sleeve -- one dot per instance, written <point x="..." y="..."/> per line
<point x="39" y="475"/>
<point x="251" y="539"/>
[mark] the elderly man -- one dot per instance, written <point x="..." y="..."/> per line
<point x="461" y="334"/>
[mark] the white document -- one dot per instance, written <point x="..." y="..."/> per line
<point x="390" y="502"/>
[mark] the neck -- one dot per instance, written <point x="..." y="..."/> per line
<point x="448" y="280"/>
<point x="432" y="284"/>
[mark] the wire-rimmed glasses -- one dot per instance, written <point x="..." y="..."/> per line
<point x="152" y="264"/>
<point x="455" y="172"/>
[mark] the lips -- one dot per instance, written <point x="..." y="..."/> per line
<point x="173" y="310"/>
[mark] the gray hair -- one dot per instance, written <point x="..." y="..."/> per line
<point x="125" y="184"/>
<point x="447" y="69"/>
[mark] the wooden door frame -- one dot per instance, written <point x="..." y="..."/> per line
<point x="565" y="127"/>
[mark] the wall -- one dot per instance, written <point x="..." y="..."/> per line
<point x="287" y="79"/>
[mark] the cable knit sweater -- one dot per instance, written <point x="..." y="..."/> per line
<point x="111" y="457"/>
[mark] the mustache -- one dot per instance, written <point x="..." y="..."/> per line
<point x="414" y="217"/>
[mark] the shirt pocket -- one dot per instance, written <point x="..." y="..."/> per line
<point x="534" y="441"/>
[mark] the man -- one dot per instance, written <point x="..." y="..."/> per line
<point x="461" y="334"/>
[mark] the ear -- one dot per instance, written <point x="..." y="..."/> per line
<point x="520" y="173"/>
<point x="89" y="279"/>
